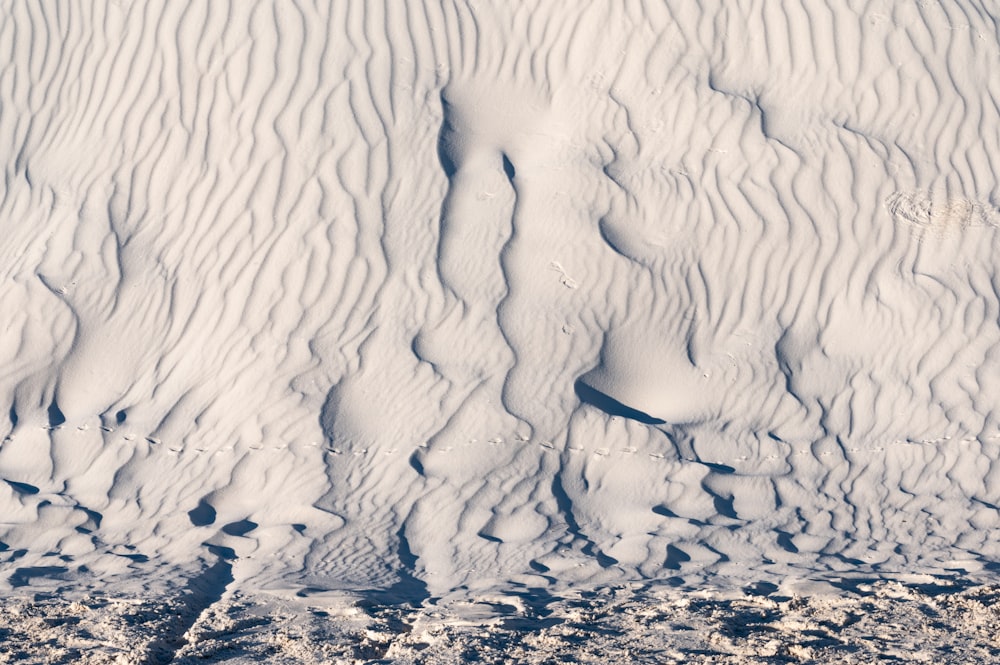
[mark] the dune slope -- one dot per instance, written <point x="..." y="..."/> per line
<point x="420" y="299"/>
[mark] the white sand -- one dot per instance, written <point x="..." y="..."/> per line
<point x="430" y="303"/>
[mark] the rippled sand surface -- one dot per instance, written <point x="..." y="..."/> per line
<point x="424" y="303"/>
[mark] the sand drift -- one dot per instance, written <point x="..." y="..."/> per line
<point x="417" y="300"/>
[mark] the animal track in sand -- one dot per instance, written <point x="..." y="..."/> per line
<point x="564" y="277"/>
<point x="939" y="214"/>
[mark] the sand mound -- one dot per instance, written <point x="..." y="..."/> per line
<point x="420" y="300"/>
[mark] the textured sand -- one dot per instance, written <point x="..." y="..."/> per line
<point x="422" y="302"/>
<point x="885" y="621"/>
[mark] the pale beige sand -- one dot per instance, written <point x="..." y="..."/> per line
<point x="422" y="301"/>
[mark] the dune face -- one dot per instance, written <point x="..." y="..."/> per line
<point x="442" y="297"/>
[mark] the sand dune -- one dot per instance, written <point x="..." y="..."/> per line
<point x="425" y="300"/>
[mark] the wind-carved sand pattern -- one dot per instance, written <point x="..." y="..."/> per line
<point x="479" y="304"/>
